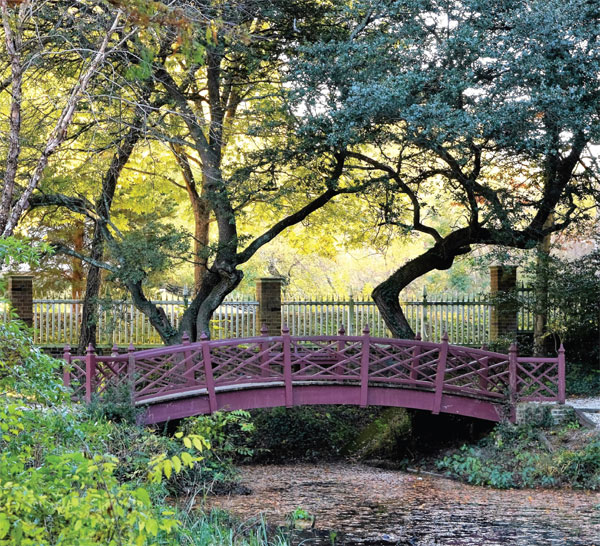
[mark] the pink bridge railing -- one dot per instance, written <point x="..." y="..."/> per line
<point x="207" y="367"/>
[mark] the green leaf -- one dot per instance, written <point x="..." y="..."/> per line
<point x="4" y="525"/>
<point x="168" y="468"/>
<point x="176" y="463"/>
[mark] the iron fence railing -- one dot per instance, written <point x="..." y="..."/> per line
<point x="465" y="317"/>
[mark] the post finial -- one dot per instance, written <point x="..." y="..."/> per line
<point x="342" y="330"/>
<point x="285" y="330"/>
<point x="90" y="349"/>
<point x="131" y="348"/>
<point x="513" y="347"/>
<point x="115" y="350"/>
<point x="366" y="331"/>
<point x="264" y="330"/>
<point x="203" y="336"/>
<point x="445" y="337"/>
<point x="67" y="349"/>
<point x="185" y="338"/>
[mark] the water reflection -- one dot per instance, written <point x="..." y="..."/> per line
<point x="356" y="504"/>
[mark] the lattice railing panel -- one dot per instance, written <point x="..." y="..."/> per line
<point x="476" y="372"/>
<point x="110" y="371"/>
<point x="325" y="359"/>
<point x="77" y="377"/>
<point x="233" y="364"/>
<point x="537" y="379"/>
<point x="402" y="364"/>
<point x="165" y="373"/>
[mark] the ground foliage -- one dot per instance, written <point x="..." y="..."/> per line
<point x="70" y="476"/>
<point x="527" y="455"/>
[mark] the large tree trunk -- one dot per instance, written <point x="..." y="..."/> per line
<point x="201" y="210"/>
<point x="77" y="270"/>
<point x="89" y="316"/>
<point x="541" y="292"/>
<point x="201" y="239"/>
<point x="386" y="295"/>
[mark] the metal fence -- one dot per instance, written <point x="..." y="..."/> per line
<point x="466" y="318"/>
<point x="57" y="322"/>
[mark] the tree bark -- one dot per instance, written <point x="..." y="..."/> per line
<point x="386" y="295"/>
<point x="77" y="270"/>
<point x="201" y="211"/>
<point x="89" y="316"/>
<point x="541" y="292"/>
<point x="13" y="44"/>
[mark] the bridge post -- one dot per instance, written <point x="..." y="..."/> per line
<point x="416" y="358"/>
<point x="208" y="371"/>
<point x="90" y="372"/>
<point x="440" y="375"/>
<point x="512" y="380"/>
<point x="561" y="375"/>
<point x="287" y="366"/>
<point x="67" y="366"/>
<point x="364" y="367"/>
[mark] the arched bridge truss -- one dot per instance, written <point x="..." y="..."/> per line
<point x="179" y="381"/>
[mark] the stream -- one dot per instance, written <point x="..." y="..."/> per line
<point x="351" y="504"/>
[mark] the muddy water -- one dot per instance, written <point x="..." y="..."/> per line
<point x="356" y="504"/>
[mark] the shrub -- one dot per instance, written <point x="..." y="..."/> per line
<point x="515" y="456"/>
<point x="114" y="404"/>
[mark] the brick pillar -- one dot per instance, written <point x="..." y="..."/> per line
<point x="268" y="295"/>
<point x="503" y="285"/>
<point x="20" y="294"/>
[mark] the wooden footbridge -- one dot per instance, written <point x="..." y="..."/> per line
<point x="260" y="372"/>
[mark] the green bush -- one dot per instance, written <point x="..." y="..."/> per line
<point x="228" y="434"/>
<point x="114" y="404"/>
<point x="516" y="456"/>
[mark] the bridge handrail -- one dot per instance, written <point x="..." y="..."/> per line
<point x="168" y="349"/>
<point x="363" y="359"/>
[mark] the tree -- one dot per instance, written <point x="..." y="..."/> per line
<point x="28" y="37"/>
<point x="491" y="106"/>
<point x="216" y="69"/>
